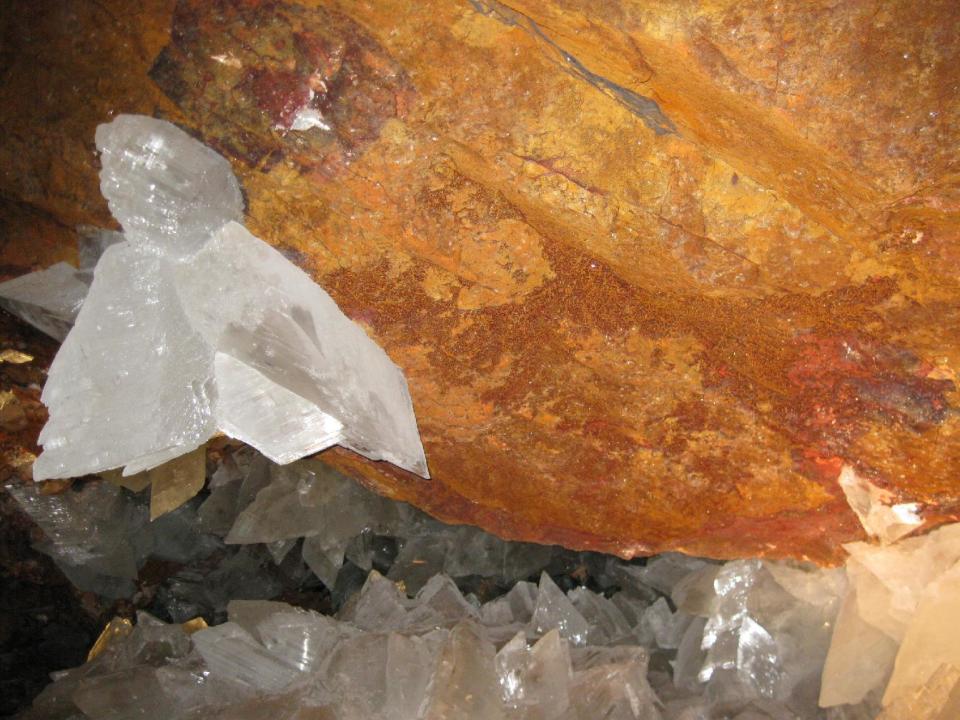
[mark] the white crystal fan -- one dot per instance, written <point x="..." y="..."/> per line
<point x="194" y="326"/>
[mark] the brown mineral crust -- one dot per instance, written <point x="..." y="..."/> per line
<point x="654" y="273"/>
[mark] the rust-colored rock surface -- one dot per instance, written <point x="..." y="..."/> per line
<point x="655" y="271"/>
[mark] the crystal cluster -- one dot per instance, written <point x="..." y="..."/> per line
<point x="192" y="326"/>
<point x="339" y="519"/>
<point x="896" y="640"/>
<point x="428" y="620"/>
<point x="100" y="535"/>
<point x="384" y="657"/>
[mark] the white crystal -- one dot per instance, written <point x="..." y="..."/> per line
<point x="167" y="190"/>
<point x="254" y="305"/>
<point x="132" y="385"/>
<point x="307" y="118"/>
<point x="47" y="299"/>
<point x="261" y="413"/>
<point x="194" y="326"/>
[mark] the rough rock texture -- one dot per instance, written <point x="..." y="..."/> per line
<point x="654" y="273"/>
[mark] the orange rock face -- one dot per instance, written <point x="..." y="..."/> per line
<point x="654" y="272"/>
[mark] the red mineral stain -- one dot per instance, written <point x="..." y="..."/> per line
<point x="844" y="379"/>
<point x="243" y="70"/>
<point x="279" y="93"/>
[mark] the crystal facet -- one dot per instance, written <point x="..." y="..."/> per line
<point x="48" y="299"/>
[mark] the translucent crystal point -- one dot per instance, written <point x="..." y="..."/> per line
<point x="232" y="653"/>
<point x="554" y="610"/>
<point x="302" y="639"/>
<point x="612" y="683"/>
<point x="607" y="622"/>
<point x="535" y="682"/>
<point x="465" y="684"/>
<point x="860" y="658"/>
<point x="261" y="413"/>
<point x="85" y="529"/>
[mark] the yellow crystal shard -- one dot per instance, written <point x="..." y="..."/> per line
<point x="116" y="629"/>
<point x="135" y="483"/>
<point x="14" y="357"/>
<point x="12" y="416"/>
<point x="175" y="482"/>
<point x="194" y="625"/>
<point x="860" y="657"/>
<point x="932" y="640"/>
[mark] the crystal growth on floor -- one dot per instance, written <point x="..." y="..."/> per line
<point x="425" y="620"/>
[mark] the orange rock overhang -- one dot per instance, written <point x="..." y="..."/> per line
<point x="655" y="274"/>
